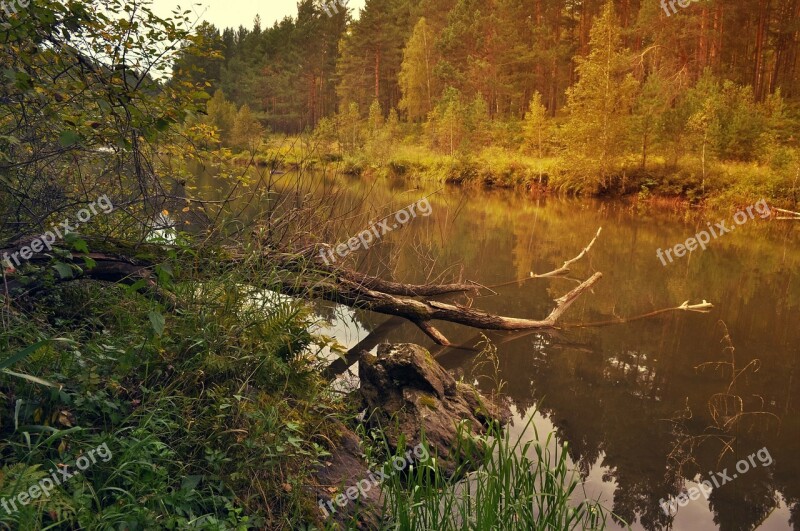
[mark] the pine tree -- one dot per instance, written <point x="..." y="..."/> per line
<point x="599" y="104"/>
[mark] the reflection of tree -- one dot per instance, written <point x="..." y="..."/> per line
<point x="609" y="390"/>
<point x="606" y="405"/>
<point x="744" y="508"/>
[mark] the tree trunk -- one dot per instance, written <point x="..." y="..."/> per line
<point x="304" y="275"/>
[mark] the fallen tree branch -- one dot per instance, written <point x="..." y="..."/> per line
<point x="561" y="271"/>
<point x="300" y="263"/>
<point x="295" y="276"/>
<point x="703" y="307"/>
<point x="795" y="216"/>
<point x="422" y="312"/>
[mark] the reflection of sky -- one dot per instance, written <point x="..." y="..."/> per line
<point x="600" y="485"/>
<point x="610" y="390"/>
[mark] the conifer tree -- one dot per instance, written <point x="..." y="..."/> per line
<point x="599" y="104"/>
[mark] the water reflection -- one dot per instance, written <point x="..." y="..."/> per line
<point x="639" y="410"/>
<point x="644" y="418"/>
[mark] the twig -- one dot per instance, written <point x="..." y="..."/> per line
<point x="561" y="271"/>
<point x="795" y="215"/>
<point x="703" y="307"/>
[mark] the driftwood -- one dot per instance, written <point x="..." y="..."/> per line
<point x="303" y="275"/>
<point x="422" y="312"/>
<point x="793" y="216"/>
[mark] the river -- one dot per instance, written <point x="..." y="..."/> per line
<point x="649" y="408"/>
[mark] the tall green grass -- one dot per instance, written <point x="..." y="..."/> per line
<point x="515" y="484"/>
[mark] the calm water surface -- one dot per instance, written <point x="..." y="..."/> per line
<point x="649" y="407"/>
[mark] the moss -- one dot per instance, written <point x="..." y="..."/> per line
<point x="429" y="402"/>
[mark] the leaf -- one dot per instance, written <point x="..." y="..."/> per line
<point x="80" y="245"/>
<point x="24" y="353"/>
<point x="190" y="483"/>
<point x="136" y="286"/>
<point x="157" y="321"/>
<point x="64" y="270"/>
<point x="89" y="262"/>
<point x="69" y="138"/>
<point x="162" y="124"/>
<point x="32" y="379"/>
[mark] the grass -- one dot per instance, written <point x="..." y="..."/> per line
<point x="719" y="183"/>
<point x="518" y="484"/>
<point x="213" y="412"/>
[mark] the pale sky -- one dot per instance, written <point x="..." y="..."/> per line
<point x="235" y="13"/>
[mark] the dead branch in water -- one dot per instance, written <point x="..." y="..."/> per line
<point x="795" y="216"/>
<point x="560" y="272"/>
<point x="304" y="275"/>
<point x="703" y="307"/>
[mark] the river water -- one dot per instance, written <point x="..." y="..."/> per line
<point x="649" y="408"/>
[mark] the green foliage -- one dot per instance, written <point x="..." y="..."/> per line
<point x="209" y="411"/>
<point x="89" y="109"/>
<point x="518" y="484"/>
<point x="600" y="104"/>
<point x="535" y="126"/>
<point x="349" y="127"/>
<point x="455" y="126"/>
<point x="416" y="75"/>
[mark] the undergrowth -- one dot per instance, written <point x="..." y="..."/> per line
<point x="210" y="410"/>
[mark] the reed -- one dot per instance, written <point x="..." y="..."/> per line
<point x="519" y="483"/>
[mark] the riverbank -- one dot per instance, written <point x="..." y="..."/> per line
<point x="717" y="184"/>
<point x="205" y="426"/>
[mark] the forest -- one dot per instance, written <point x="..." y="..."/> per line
<point x="424" y="264"/>
<point x="682" y="103"/>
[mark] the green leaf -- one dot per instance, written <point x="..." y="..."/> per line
<point x="89" y="262"/>
<point x="69" y="138"/>
<point x="64" y="270"/>
<point x="80" y="245"/>
<point x="165" y="274"/>
<point x="136" y="286"/>
<point x="32" y="379"/>
<point x="190" y="483"/>
<point x="162" y="124"/>
<point x="157" y="321"/>
<point x="24" y="353"/>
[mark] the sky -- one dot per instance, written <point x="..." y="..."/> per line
<point x="235" y="13"/>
